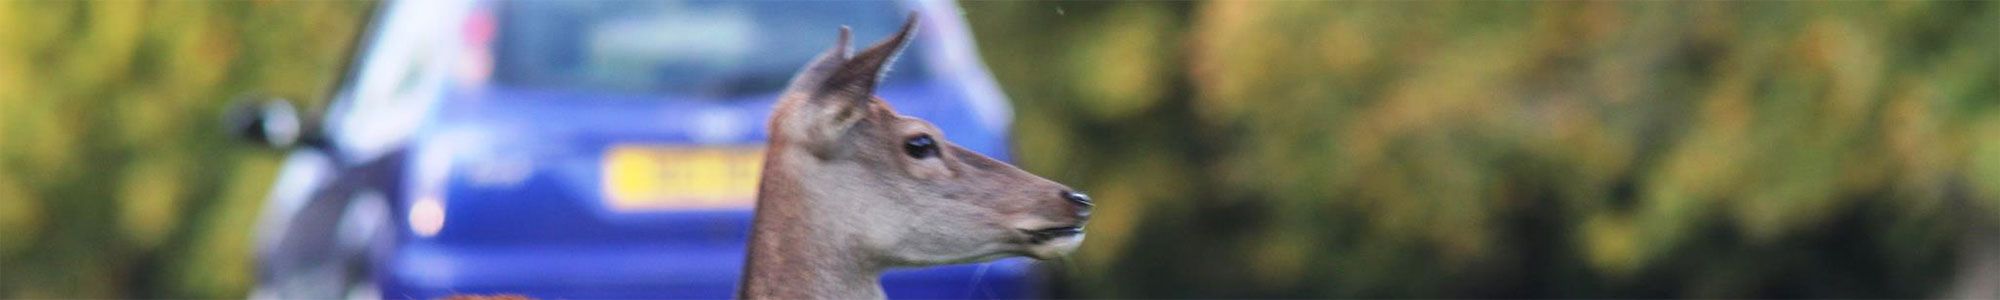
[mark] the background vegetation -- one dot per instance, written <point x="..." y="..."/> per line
<point x="1238" y="148"/>
<point x="116" y="177"/>
<point x="1510" y="149"/>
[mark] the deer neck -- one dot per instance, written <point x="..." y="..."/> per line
<point x="798" y="251"/>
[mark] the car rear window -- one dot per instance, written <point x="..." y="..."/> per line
<point x="689" y="49"/>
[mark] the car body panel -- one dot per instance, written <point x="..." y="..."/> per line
<point x="491" y="188"/>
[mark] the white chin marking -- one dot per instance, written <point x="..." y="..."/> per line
<point x="1056" y="247"/>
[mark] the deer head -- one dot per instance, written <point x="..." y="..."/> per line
<point x="851" y="186"/>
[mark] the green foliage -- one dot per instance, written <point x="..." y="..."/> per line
<point x="116" y="178"/>
<point x="1449" y="149"/>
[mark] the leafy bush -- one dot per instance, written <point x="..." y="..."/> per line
<point x="1516" y="149"/>
<point x="116" y="178"/>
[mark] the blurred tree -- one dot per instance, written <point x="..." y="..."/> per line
<point x="116" y="179"/>
<point x="1510" y="149"/>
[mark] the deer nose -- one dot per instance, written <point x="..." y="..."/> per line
<point x="1078" y="198"/>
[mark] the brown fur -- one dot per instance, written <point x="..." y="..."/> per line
<point x="841" y="201"/>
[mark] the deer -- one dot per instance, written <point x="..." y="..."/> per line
<point x="851" y="188"/>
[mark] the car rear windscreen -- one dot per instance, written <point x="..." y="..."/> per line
<point x="685" y="49"/>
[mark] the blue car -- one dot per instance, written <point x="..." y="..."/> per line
<point x="580" y="149"/>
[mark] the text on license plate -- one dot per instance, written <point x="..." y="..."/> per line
<point x="657" y="177"/>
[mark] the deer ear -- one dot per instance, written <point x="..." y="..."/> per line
<point x="856" y="78"/>
<point x="834" y="91"/>
<point x="823" y="65"/>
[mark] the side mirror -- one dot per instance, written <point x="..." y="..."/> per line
<point x="273" y="122"/>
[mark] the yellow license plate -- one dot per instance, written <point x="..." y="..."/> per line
<point x="655" y="178"/>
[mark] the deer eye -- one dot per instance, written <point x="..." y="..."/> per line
<point x="921" y="147"/>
